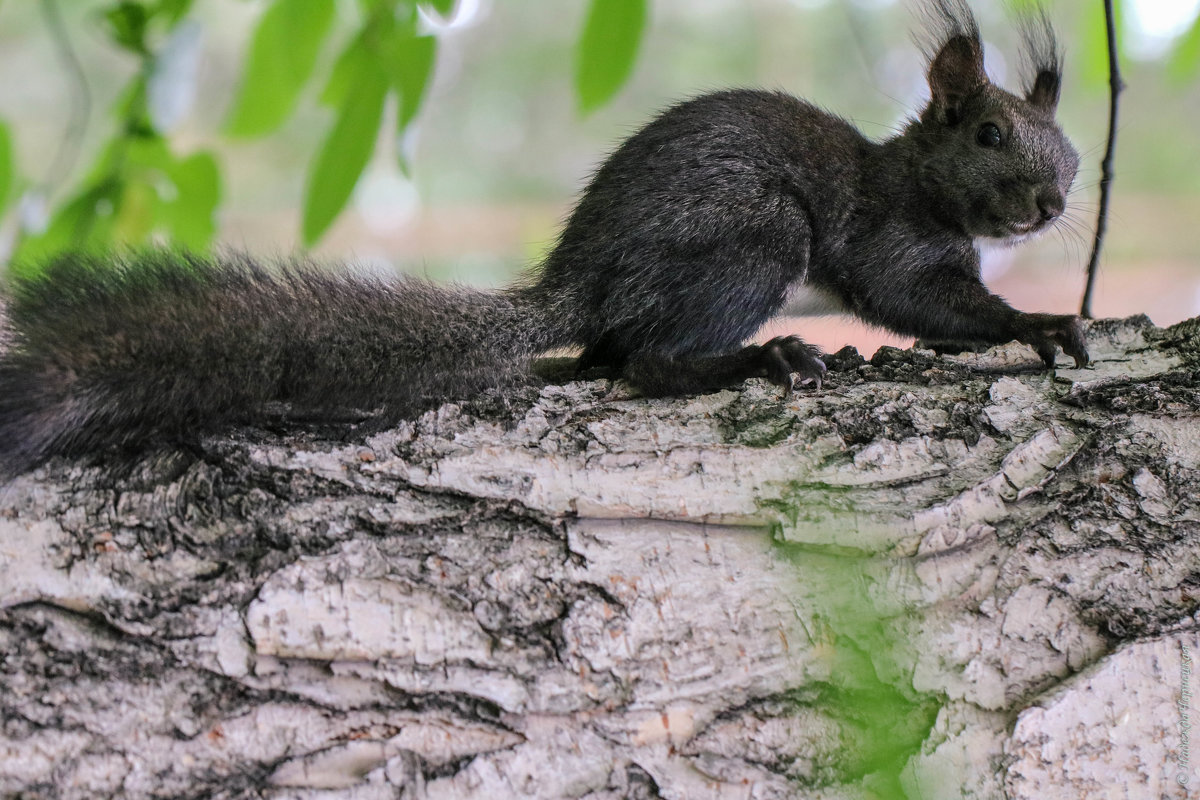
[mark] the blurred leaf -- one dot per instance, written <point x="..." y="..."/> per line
<point x="443" y="7"/>
<point x="353" y="61"/>
<point x="387" y="46"/>
<point x="84" y="223"/>
<point x="6" y="166"/>
<point x="281" y="59"/>
<point x="144" y="152"/>
<point x="127" y="25"/>
<point x="376" y="8"/>
<point x="135" y="214"/>
<point x="607" y="49"/>
<point x="172" y="10"/>
<point x="344" y="154"/>
<point x="131" y="106"/>
<point x="191" y="215"/>
<point x="408" y="60"/>
<point x="1095" y="42"/>
<point x="1185" y="58"/>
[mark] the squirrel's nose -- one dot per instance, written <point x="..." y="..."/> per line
<point x="1050" y="204"/>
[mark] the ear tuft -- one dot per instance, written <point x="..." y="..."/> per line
<point x="1042" y="60"/>
<point x="951" y="42"/>
<point x="1045" y="89"/>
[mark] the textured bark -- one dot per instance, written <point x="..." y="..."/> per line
<point x="939" y="576"/>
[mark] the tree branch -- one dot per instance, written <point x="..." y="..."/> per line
<point x="928" y="579"/>
<point x="1106" y="174"/>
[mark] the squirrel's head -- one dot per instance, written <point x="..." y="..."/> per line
<point x="995" y="164"/>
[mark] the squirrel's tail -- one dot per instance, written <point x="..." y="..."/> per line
<point x="157" y="345"/>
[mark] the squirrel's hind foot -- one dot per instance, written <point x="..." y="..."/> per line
<point x="778" y="360"/>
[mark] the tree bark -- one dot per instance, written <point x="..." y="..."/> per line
<point x="937" y="577"/>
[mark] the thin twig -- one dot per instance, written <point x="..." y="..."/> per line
<point x="1106" y="173"/>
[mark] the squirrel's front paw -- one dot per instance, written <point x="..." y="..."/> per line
<point x="784" y="356"/>
<point x="1048" y="332"/>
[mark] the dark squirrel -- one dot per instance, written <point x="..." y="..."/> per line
<point x="687" y="239"/>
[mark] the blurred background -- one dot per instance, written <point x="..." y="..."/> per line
<point x="475" y="187"/>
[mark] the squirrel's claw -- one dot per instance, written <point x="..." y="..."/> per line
<point x="786" y="356"/>
<point x="1048" y="332"/>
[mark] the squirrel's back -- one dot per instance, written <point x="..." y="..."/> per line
<point x="712" y="205"/>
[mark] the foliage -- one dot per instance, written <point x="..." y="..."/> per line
<point x="608" y="49"/>
<point x="387" y="54"/>
<point x="282" y="57"/>
<point x="358" y="59"/>
<point x="140" y="191"/>
<point x="6" y="166"/>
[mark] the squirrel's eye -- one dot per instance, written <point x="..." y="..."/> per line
<point x="988" y="135"/>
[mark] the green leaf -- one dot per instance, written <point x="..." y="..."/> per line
<point x="191" y="215"/>
<point x="378" y="8"/>
<point x="408" y="60"/>
<point x="127" y="25"/>
<point x="6" y="166"/>
<point x="443" y="7"/>
<point x="131" y="108"/>
<point x="281" y="59"/>
<point x="135" y="214"/>
<point x="344" y="154"/>
<point x="172" y="11"/>
<point x="163" y="193"/>
<point x="1184" y="61"/>
<point x="607" y="49"/>
<point x="353" y="61"/>
<point x="142" y="154"/>
<point x="85" y="223"/>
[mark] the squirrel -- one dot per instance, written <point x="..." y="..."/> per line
<point x="687" y="239"/>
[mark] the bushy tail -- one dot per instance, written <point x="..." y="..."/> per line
<point x="158" y="345"/>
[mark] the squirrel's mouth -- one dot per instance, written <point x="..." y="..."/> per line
<point x="1019" y="229"/>
<point x="1013" y="231"/>
<point x="1013" y="223"/>
<point x="1027" y="226"/>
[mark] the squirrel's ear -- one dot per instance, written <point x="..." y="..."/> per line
<point x="1044" y="92"/>
<point x="1043" y="60"/>
<point x="955" y="72"/>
